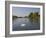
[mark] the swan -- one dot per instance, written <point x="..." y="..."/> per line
<point x="23" y="25"/>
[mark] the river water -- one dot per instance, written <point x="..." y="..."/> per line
<point x="19" y="24"/>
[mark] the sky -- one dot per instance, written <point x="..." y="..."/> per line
<point x="23" y="11"/>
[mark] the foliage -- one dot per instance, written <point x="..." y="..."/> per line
<point x="14" y="17"/>
<point x="34" y="16"/>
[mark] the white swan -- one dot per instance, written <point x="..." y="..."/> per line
<point x="23" y="25"/>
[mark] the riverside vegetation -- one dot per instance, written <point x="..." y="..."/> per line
<point x="32" y="16"/>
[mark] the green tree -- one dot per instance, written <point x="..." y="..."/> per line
<point x="34" y="16"/>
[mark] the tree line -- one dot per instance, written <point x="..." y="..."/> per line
<point x="32" y="15"/>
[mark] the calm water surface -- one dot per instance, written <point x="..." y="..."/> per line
<point x="25" y="24"/>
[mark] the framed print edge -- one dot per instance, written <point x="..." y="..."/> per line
<point x="7" y="16"/>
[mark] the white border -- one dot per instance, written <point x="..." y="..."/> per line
<point x="30" y="31"/>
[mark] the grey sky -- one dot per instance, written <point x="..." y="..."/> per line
<point x="23" y="11"/>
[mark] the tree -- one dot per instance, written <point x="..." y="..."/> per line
<point x="34" y="16"/>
